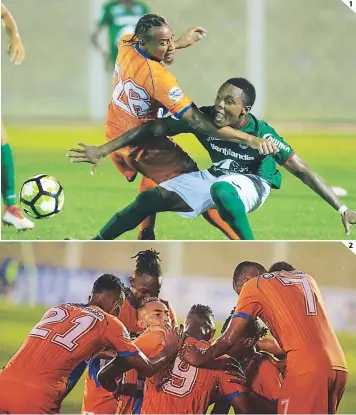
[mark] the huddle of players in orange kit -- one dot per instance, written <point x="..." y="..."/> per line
<point x="170" y="370"/>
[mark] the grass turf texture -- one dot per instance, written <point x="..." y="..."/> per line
<point x="294" y="212"/>
<point x="17" y="321"/>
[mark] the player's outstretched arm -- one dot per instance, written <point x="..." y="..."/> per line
<point x="192" y="355"/>
<point x="202" y="124"/>
<point x="300" y="169"/>
<point x="147" y="367"/>
<point x="16" y="48"/>
<point x="190" y="37"/>
<point x="155" y="128"/>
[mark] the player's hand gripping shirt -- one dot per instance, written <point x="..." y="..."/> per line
<point x="291" y="305"/>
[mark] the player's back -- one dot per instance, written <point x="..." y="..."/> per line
<point x="187" y="389"/>
<point x="141" y="86"/>
<point x="67" y="335"/>
<point x="294" y="311"/>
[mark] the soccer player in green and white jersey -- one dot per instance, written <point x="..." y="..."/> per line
<point x="239" y="180"/>
<point x="120" y="18"/>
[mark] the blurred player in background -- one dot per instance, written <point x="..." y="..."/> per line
<point x="119" y="17"/>
<point x="67" y="335"/>
<point x="239" y="180"/>
<point x="12" y="213"/>
<point x="292" y="307"/>
<point x="145" y="282"/>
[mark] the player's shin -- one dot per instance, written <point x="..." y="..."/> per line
<point x="7" y="176"/>
<point x="146" y="204"/>
<point x="231" y="209"/>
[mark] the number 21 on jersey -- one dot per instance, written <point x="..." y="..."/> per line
<point x="68" y="340"/>
<point x="130" y="97"/>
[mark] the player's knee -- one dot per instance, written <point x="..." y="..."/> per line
<point x="222" y="192"/>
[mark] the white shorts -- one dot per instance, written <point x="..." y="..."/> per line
<point x="194" y="189"/>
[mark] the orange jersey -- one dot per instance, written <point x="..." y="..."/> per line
<point x="67" y="335"/>
<point x="188" y="389"/>
<point x="143" y="90"/>
<point x="130" y="400"/>
<point x="96" y="398"/>
<point x="141" y="86"/>
<point x="267" y="379"/>
<point x="291" y="305"/>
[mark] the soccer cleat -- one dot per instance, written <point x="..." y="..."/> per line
<point x="14" y="217"/>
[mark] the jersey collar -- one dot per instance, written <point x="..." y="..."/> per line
<point x="144" y="54"/>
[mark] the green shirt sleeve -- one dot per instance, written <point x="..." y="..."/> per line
<point x="285" y="150"/>
<point x="105" y="17"/>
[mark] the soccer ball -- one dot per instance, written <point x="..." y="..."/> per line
<point x="41" y="196"/>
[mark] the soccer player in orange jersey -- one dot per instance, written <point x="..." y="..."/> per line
<point x="262" y="371"/>
<point x="152" y="312"/>
<point x="187" y="389"/>
<point x="145" y="282"/>
<point x="291" y="305"/>
<point x="67" y="335"/>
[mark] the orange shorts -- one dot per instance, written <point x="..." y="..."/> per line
<point x="312" y="393"/>
<point x="19" y="398"/>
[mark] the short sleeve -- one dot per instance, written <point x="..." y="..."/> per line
<point x="249" y="303"/>
<point x="229" y="390"/>
<point x="117" y="336"/>
<point x="105" y="17"/>
<point x="168" y="93"/>
<point x="285" y="150"/>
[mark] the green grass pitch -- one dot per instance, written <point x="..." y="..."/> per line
<point x="17" y="321"/>
<point x="294" y="212"/>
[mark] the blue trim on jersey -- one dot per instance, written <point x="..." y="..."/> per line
<point x="178" y="115"/>
<point x="94" y="367"/>
<point x="234" y="395"/>
<point x="141" y="52"/>
<point x="242" y="315"/>
<point x="127" y="354"/>
<point x="274" y="400"/>
<point x="75" y="375"/>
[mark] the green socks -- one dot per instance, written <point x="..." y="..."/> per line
<point x="231" y="209"/>
<point x="145" y="204"/>
<point x="7" y="176"/>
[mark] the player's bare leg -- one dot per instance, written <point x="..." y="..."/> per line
<point x="147" y="231"/>
<point x="12" y="213"/>
<point x="212" y="216"/>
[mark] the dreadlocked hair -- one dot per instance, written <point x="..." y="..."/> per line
<point x="148" y="262"/>
<point x="147" y="22"/>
